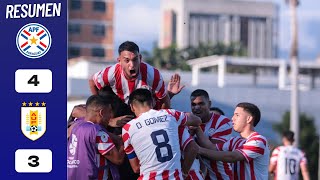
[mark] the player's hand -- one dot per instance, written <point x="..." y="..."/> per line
<point x="174" y="86"/>
<point x="79" y="111"/>
<point x="122" y="120"/>
<point x="193" y="130"/>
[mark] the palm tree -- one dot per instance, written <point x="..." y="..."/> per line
<point x="294" y="120"/>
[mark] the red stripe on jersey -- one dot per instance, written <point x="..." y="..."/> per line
<point x="176" y="174"/>
<point x="236" y="144"/>
<point x="140" y="177"/>
<point x="224" y="121"/>
<point x="156" y="78"/>
<point x="101" y="164"/>
<point x="227" y="170"/>
<point x="152" y="175"/>
<point x="193" y="175"/>
<point x="165" y="175"/>
<point x="254" y="149"/>
<point x="258" y="139"/>
<point x="235" y="170"/>
<point x="222" y="133"/>
<point x="253" y="177"/>
<point x="129" y="149"/>
<point x="131" y="85"/>
<point x="119" y="82"/>
<point x="215" y="120"/>
<point x="203" y="127"/>
<point x="96" y="81"/>
<point x="230" y="145"/>
<point x="219" y="146"/>
<point x="125" y="137"/>
<point x="105" y="76"/>
<point x="215" y="169"/>
<point x="169" y="112"/>
<point x="143" y="71"/>
<point x="161" y="91"/>
<point x="180" y="133"/>
<point x="274" y="155"/>
<point x="177" y="115"/>
<point x="242" y="170"/>
<point x="184" y="120"/>
<point x="126" y="127"/>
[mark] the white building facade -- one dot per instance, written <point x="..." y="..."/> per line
<point x="190" y="22"/>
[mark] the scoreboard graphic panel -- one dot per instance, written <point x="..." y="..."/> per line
<point x="33" y="90"/>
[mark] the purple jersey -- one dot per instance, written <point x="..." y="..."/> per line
<point x="86" y="146"/>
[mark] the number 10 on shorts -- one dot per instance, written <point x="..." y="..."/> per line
<point x="33" y="81"/>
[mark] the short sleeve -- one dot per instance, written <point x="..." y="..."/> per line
<point x="252" y="149"/>
<point x="274" y="156"/>
<point x="128" y="149"/>
<point x="103" y="142"/>
<point x="181" y="117"/>
<point x="101" y="78"/>
<point x="184" y="137"/>
<point x="160" y="90"/>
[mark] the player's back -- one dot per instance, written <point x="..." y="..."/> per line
<point x="288" y="162"/>
<point x="154" y="138"/>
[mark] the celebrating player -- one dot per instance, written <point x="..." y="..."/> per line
<point x="249" y="152"/>
<point x="286" y="160"/>
<point x="216" y="127"/>
<point x="129" y="74"/>
<point x="151" y="140"/>
<point x="90" y="146"/>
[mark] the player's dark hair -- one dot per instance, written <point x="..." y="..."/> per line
<point x="128" y="46"/>
<point x="141" y="96"/>
<point x="217" y="109"/>
<point x="289" y="135"/>
<point x="253" y="110"/>
<point x="200" y="92"/>
<point x="102" y="101"/>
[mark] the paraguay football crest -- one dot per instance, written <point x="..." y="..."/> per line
<point x="33" y="119"/>
<point x="33" y="40"/>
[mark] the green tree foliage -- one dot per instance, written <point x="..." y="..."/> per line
<point x="174" y="58"/>
<point x="309" y="139"/>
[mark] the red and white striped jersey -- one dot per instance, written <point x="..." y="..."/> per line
<point x="195" y="171"/>
<point x="104" y="144"/>
<point x="218" y="127"/>
<point x="256" y="152"/>
<point x="149" y="78"/>
<point x="154" y="139"/>
<point x="287" y="160"/>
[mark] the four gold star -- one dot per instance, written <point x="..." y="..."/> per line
<point x="35" y="104"/>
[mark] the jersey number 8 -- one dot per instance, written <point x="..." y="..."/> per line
<point x="160" y="145"/>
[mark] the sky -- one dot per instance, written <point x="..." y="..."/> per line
<point x="139" y="21"/>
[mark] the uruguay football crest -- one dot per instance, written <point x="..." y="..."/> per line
<point x="33" y="119"/>
<point x="33" y="40"/>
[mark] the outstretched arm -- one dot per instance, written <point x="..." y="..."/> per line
<point x="92" y="86"/>
<point x="225" y="156"/>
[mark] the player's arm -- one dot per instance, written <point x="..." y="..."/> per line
<point x="190" y="154"/>
<point x="225" y="156"/>
<point x="115" y="156"/>
<point x="165" y="102"/>
<point x="204" y="141"/>
<point x="272" y="168"/>
<point x="192" y="120"/>
<point x="304" y="171"/>
<point x="92" y="86"/>
<point x="174" y="86"/>
<point x="135" y="164"/>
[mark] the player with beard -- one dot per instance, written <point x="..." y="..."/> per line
<point x="131" y="73"/>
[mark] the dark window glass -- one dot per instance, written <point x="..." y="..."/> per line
<point x="74" y="52"/>
<point x="98" y="52"/>
<point x="99" y="6"/>
<point x="74" y="28"/>
<point x="98" y="30"/>
<point x="75" y="4"/>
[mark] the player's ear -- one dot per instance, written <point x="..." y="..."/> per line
<point x="132" y="108"/>
<point x="249" y="119"/>
<point x="118" y="59"/>
<point x="140" y="57"/>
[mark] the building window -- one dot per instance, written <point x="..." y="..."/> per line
<point x="74" y="28"/>
<point x="99" y="6"/>
<point x="75" y="4"/>
<point x="74" y="52"/>
<point x="98" y="30"/>
<point x="98" y="52"/>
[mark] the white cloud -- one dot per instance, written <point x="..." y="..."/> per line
<point x="137" y="22"/>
